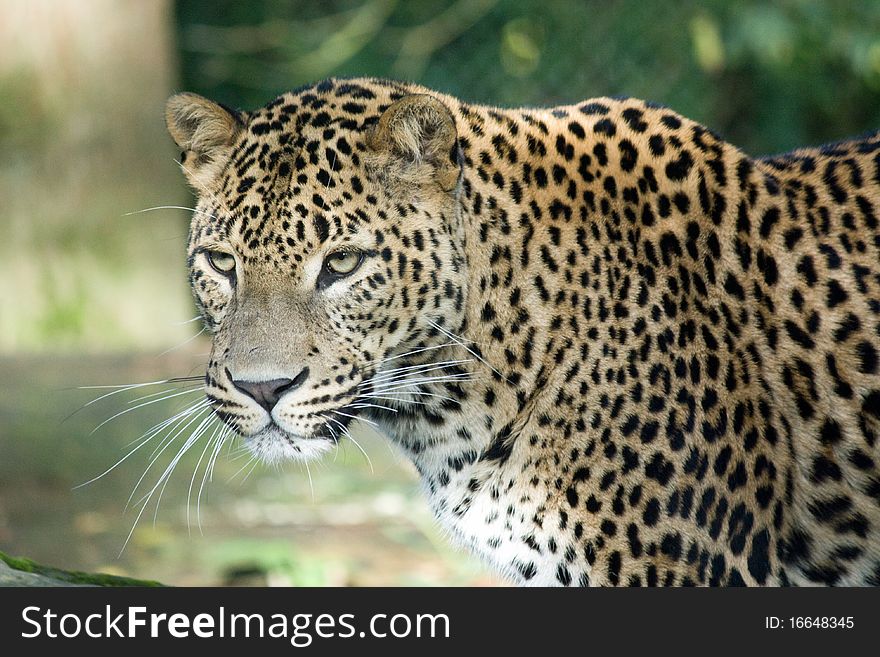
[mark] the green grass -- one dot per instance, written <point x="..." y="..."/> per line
<point x="72" y="576"/>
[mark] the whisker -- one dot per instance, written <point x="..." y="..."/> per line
<point x="203" y="428"/>
<point x="141" y="405"/>
<point x="180" y="415"/>
<point x="235" y="452"/>
<point x="241" y="469"/>
<point x="458" y="341"/>
<point x="188" y="321"/>
<point x="415" y="369"/>
<point x="355" y="417"/>
<point x="162" y="482"/>
<point x="116" y="390"/>
<point x="332" y="433"/>
<point x="170" y="436"/>
<point x="131" y="386"/>
<point x="125" y="388"/>
<point x="405" y="368"/>
<point x="391" y="394"/>
<point x="170" y="207"/>
<point x="193" y="177"/>
<point x="154" y="430"/>
<point x="146" y="436"/>
<point x="122" y="387"/>
<point x="192" y="417"/>
<point x="348" y="435"/>
<point x="365" y="405"/>
<point x="208" y="476"/>
<point x="225" y="435"/>
<point x="191" y="390"/>
<point x="419" y="376"/>
<point x="256" y="462"/>
<point x="165" y="474"/>
<point x="410" y="353"/>
<point x="329" y="179"/>
<point x="362" y="450"/>
<point x="451" y="378"/>
<point x="397" y="399"/>
<point x="192" y="482"/>
<point x="311" y="485"/>
<point x="182" y="344"/>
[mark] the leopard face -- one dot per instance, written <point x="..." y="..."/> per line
<point x="617" y="349"/>
<point x="325" y="245"/>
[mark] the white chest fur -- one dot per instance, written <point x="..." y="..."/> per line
<point x="483" y="506"/>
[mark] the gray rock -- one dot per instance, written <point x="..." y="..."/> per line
<point x="16" y="571"/>
<point x="11" y="577"/>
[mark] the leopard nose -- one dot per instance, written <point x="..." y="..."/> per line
<point x="267" y="393"/>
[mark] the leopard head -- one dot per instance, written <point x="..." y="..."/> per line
<point x="326" y="241"/>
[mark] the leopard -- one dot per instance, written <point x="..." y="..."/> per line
<point x="618" y="350"/>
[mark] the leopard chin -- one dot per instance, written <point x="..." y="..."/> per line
<point x="274" y="445"/>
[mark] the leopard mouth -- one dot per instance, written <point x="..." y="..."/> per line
<point x="274" y="444"/>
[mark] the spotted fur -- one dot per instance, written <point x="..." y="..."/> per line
<point x="637" y="356"/>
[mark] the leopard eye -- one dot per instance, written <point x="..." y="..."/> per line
<point x="343" y="262"/>
<point x="221" y="261"/>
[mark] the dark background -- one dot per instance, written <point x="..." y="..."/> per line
<point x="93" y="295"/>
<point x="769" y="76"/>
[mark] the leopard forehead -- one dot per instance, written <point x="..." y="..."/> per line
<point x="296" y="175"/>
<point x="301" y="175"/>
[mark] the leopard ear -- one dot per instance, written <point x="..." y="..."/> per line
<point x="418" y="142"/>
<point x="204" y="132"/>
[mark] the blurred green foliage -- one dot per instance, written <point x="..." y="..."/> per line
<point x="769" y="76"/>
<point x="82" y="144"/>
